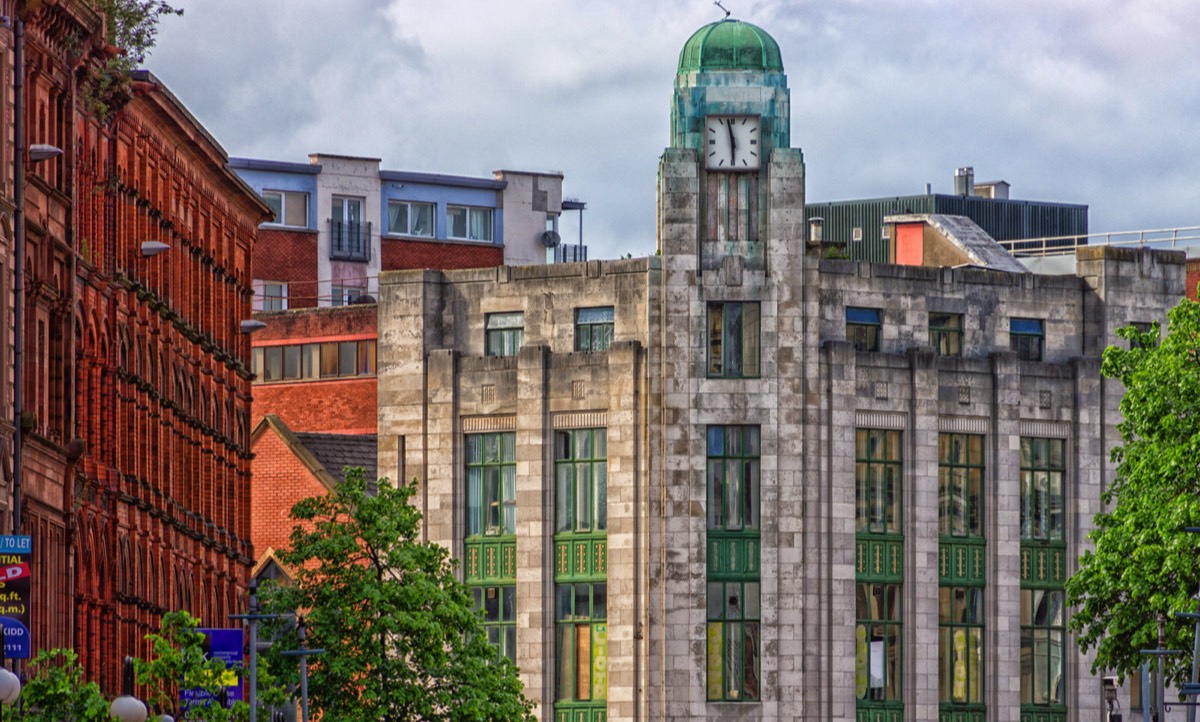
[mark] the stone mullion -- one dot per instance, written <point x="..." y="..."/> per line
<point x="920" y="480"/>
<point x="535" y="629"/>
<point x="626" y="547"/>
<point x="1002" y="589"/>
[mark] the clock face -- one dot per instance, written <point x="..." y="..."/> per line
<point x="731" y="142"/>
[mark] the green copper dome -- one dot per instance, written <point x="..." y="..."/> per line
<point x="730" y="45"/>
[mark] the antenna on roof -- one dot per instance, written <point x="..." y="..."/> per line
<point x="718" y="4"/>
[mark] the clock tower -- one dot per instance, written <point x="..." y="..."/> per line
<point x="730" y="130"/>
<point x="734" y="375"/>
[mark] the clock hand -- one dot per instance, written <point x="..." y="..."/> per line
<point x="732" y="141"/>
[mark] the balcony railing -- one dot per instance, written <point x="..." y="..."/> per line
<point x="1062" y="245"/>
<point x="349" y="241"/>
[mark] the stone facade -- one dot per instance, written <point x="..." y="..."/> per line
<point x="663" y="390"/>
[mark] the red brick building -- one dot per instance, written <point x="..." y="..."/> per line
<point x="136" y="385"/>
<point x="290" y="466"/>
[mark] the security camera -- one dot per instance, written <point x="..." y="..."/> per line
<point x="1110" y="683"/>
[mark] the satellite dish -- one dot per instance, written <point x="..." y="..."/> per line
<point x="550" y="239"/>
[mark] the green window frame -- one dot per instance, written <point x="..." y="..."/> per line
<point x="960" y="485"/>
<point x="864" y="327"/>
<point x="504" y="333"/>
<point x="734" y="330"/>
<point x="733" y="471"/>
<point x="877" y="642"/>
<point x="946" y="333"/>
<point x="581" y="480"/>
<point x="581" y="642"/>
<point x="1043" y="476"/>
<point x="877" y="470"/>
<point x="593" y="328"/>
<point x="1043" y="648"/>
<point x="960" y="645"/>
<point x="733" y="641"/>
<point x="498" y="606"/>
<point x="733" y="631"/>
<point x="491" y="484"/>
<point x="1027" y="336"/>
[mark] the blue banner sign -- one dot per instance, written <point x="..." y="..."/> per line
<point x="14" y="595"/>
<point x="226" y="645"/>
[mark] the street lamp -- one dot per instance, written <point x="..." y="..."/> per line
<point x="153" y="248"/>
<point x="250" y="325"/>
<point x="128" y="708"/>
<point x="10" y="686"/>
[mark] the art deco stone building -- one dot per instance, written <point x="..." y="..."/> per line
<point x="740" y="480"/>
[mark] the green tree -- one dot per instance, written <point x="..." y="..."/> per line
<point x="179" y="660"/>
<point x="402" y="640"/>
<point x="130" y="27"/>
<point x="1144" y="565"/>
<point x="56" y="692"/>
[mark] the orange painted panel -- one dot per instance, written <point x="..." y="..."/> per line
<point x="910" y="244"/>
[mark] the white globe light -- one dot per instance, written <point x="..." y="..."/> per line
<point x="166" y="718"/>
<point x="10" y="686"/>
<point x="128" y="709"/>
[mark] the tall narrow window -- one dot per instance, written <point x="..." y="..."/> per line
<point x="961" y="575"/>
<point x="1043" y="577"/>
<point x="733" y="339"/>
<point x="1027" y="336"/>
<point x="498" y="605"/>
<point x="877" y="639"/>
<point x="581" y="573"/>
<point x="1042" y="472"/>
<point x="504" y="333"/>
<point x="1043" y="630"/>
<point x="349" y="234"/>
<point x="733" y="637"/>
<point x="877" y="474"/>
<point x="879" y="573"/>
<point x="491" y="525"/>
<point x="960" y="485"/>
<point x="960" y="642"/>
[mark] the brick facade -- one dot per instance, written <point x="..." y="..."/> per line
<point x="137" y="383"/>
<point x="288" y="256"/>
<point x="280" y="480"/>
<point x="442" y="255"/>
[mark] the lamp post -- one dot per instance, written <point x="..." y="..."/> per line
<point x="128" y="708"/>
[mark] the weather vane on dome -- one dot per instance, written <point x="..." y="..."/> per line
<point x="718" y="4"/>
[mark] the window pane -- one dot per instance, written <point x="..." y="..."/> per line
<point x="456" y="219"/>
<point x="291" y="362"/>
<point x="750" y="339"/>
<point x="421" y="217"/>
<point x="297" y="210"/>
<point x="348" y="358"/>
<point x="732" y="340"/>
<point x="275" y="201"/>
<point x="397" y="218"/>
<point x="329" y="359"/>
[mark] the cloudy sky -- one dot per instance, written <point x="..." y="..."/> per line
<point x="1081" y="101"/>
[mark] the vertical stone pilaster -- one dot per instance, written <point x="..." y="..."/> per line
<point x="920" y="615"/>
<point x="1002" y="524"/>
<point x="627" y="549"/>
<point x="1085" y="482"/>
<point x="535" y="543"/>
<point x="829" y="607"/>
<point x="443" y="484"/>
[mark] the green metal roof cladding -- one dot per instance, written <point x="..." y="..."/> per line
<point x="730" y="45"/>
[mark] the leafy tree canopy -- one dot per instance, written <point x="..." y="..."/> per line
<point x="179" y="659"/>
<point x="56" y="692"/>
<point x="401" y="637"/>
<point x="1144" y="565"/>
